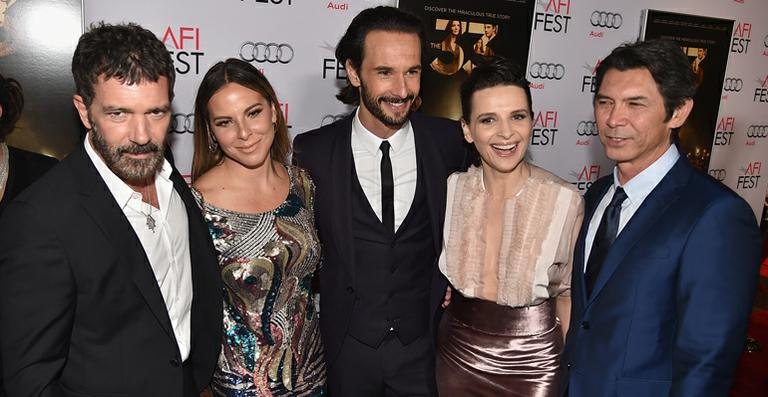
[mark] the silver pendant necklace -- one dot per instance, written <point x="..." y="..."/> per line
<point x="151" y="224"/>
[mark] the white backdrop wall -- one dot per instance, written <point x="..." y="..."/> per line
<point x="293" y="42"/>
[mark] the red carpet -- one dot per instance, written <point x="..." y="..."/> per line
<point x="752" y="374"/>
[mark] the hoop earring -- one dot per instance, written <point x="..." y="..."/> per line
<point x="212" y="144"/>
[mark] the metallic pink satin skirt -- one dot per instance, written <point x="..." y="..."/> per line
<point x="486" y="349"/>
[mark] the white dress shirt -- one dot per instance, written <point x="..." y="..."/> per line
<point x="166" y="247"/>
<point x="637" y="189"/>
<point x="367" y="157"/>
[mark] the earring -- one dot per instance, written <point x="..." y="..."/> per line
<point x="212" y="144"/>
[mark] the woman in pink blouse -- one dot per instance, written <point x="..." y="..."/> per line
<point x="510" y="229"/>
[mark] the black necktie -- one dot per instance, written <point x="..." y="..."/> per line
<point x="387" y="189"/>
<point x="606" y="233"/>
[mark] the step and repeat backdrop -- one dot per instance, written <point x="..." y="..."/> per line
<point x="293" y="43"/>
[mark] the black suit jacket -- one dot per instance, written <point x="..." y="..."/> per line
<point x="25" y="167"/>
<point x="327" y="154"/>
<point x="81" y="310"/>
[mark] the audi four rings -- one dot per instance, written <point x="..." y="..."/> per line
<point x="266" y="52"/>
<point x="718" y="174"/>
<point x="586" y="128"/>
<point x="757" y="131"/>
<point x="549" y="71"/>
<point x="330" y="118"/>
<point x="733" y="85"/>
<point x="606" y="19"/>
<point x="183" y="123"/>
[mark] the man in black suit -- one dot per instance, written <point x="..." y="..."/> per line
<point x="381" y="183"/>
<point x="108" y="280"/>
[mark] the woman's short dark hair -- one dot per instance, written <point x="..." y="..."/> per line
<point x="12" y="103"/>
<point x="498" y="71"/>
<point x="126" y="52"/>
<point x="242" y="73"/>
<point x="665" y="61"/>
<point x="351" y="46"/>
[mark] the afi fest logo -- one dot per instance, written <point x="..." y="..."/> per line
<point x="544" y="128"/>
<point x="588" y="80"/>
<point x="750" y="177"/>
<point x="183" y="43"/>
<point x="724" y="131"/>
<point x="761" y="92"/>
<point x="331" y="66"/>
<point x="741" y="38"/>
<point x="555" y="16"/>
<point x="604" y="20"/>
<point x="586" y="177"/>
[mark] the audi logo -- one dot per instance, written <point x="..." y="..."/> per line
<point x="548" y="71"/>
<point x="586" y="128"/>
<point x="183" y="123"/>
<point x="266" y="52"/>
<point x="606" y="19"/>
<point x="331" y="118"/>
<point x="757" y="131"/>
<point x="733" y="85"/>
<point x="718" y="174"/>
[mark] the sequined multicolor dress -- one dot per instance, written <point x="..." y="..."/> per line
<point x="271" y="344"/>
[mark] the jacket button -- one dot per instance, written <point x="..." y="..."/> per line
<point x="569" y="365"/>
<point x="350" y="290"/>
<point x="585" y="325"/>
<point x="175" y="362"/>
<point x="392" y="244"/>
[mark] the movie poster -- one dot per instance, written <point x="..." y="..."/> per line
<point x="37" y="39"/>
<point x="706" y="42"/>
<point x="460" y="36"/>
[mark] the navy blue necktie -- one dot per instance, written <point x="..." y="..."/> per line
<point x="387" y="189"/>
<point x="606" y="234"/>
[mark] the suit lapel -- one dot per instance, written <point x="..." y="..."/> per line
<point x="341" y="182"/>
<point x="433" y="173"/>
<point x="103" y="210"/>
<point x="649" y="213"/>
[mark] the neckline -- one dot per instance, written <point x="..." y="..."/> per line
<point x="291" y="182"/>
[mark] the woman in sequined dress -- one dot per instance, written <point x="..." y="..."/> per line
<point x="259" y="211"/>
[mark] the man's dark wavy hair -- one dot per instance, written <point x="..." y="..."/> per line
<point x="126" y="52"/>
<point x="351" y="46"/>
<point x="665" y="61"/>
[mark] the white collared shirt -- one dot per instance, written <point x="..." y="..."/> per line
<point x="367" y="157"/>
<point x="167" y="247"/>
<point x="637" y="189"/>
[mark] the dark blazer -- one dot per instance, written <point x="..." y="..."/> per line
<point x="24" y="168"/>
<point x="82" y="314"/>
<point x="669" y="310"/>
<point x="327" y="154"/>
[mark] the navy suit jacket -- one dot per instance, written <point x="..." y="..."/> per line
<point x="669" y="310"/>
<point x="327" y="154"/>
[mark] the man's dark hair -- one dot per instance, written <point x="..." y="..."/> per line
<point x="666" y="62"/>
<point x="351" y="46"/>
<point x="497" y="71"/>
<point x="12" y="102"/>
<point x="126" y="52"/>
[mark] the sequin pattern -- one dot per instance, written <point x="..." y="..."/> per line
<point x="271" y="344"/>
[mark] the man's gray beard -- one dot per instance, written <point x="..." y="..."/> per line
<point x="131" y="171"/>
